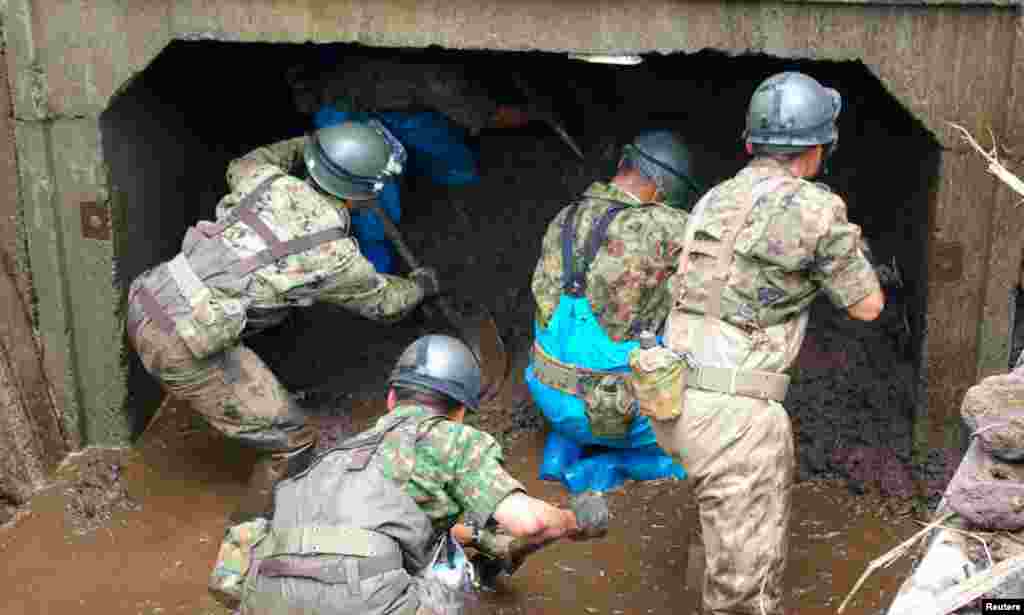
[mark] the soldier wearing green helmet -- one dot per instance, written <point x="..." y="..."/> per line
<point x="371" y="526"/>
<point x="758" y="249"/>
<point x="279" y="242"/>
<point x="601" y="281"/>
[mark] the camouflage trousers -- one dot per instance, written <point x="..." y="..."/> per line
<point x="739" y="455"/>
<point x="233" y="391"/>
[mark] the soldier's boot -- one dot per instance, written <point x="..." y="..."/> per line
<point x="258" y="500"/>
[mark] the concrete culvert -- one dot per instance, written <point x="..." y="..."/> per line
<point x="172" y="130"/>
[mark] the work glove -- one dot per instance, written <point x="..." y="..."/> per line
<point x="426" y="279"/>
<point x="889" y="274"/>
<point x="592" y="514"/>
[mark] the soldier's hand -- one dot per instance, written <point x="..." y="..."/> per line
<point x="426" y="279"/>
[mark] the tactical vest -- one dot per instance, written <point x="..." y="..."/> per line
<point x="342" y="523"/>
<point x="189" y="294"/>
<point x="716" y="347"/>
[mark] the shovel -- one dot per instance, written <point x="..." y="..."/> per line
<point x="473" y="321"/>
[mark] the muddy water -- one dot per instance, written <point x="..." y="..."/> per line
<point x="152" y="556"/>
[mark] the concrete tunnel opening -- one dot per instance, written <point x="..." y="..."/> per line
<point x="169" y="134"/>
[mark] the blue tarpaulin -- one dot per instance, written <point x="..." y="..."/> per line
<point x="435" y="149"/>
<point x="572" y="454"/>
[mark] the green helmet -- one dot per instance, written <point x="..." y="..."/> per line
<point x="661" y="156"/>
<point x="790" y="112"/>
<point x="352" y="160"/>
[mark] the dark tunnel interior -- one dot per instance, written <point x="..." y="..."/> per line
<point x="170" y="132"/>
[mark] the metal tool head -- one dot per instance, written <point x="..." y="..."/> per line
<point x="476" y="327"/>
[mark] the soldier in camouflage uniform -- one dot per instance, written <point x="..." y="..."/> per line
<point x="279" y="242"/>
<point x="758" y="248"/>
<point x="428" y="106"/>
<point x="375" y="507"/>
<point x="600" y="281"/>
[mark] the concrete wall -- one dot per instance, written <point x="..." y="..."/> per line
<point x="32" y="440"/>
<point x="942" y="61"/>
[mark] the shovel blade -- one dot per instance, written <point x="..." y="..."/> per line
<point x="475" y="326"/>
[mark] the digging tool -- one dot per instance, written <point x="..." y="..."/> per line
<point x="473" y="321"/>
<point x="544" y="112"/>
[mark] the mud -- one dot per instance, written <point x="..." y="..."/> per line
<point x="154" y="558"/>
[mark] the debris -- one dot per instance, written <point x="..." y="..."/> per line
<point x="973" y="588"/>
<point x="994" y="166"/>
<point x="885" y="560"/>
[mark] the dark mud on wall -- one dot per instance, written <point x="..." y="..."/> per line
<point x="855" y="386"/>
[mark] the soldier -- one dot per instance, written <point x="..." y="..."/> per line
<point x="600" y="281"/>
<point x="428" y="106"/>
<point x="377" y="505"/>
<point x="279" y="242"/>
<point x="758" y="248"/>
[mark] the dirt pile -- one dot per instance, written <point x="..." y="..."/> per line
<point x="95" y="492"/>
<point x="852" y="402"/>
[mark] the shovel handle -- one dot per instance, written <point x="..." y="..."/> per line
<point x="392" y="232"/>
<point x="395" y="237"/>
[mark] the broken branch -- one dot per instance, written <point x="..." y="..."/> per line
<point x="885" y="560"/>
<point x="995" y="167"/>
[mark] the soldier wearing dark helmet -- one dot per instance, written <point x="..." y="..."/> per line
<point x="280" y="241"/>
<point x="758" y="249"/>
<point x="359" y="529"/>
<point x="600" y="281"/>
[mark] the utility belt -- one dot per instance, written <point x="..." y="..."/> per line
<point x="362" y="554"/>
<point x="608" y="404"/>
<point x="580" y="381"/>
<point x="660" y="377"/>
<point x="255" y="549"/>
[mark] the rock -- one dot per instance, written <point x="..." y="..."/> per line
<point x="988" y="493"/>
<point x="994" y="410"/>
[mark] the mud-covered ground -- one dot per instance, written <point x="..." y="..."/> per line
<point x="135" y="532"/>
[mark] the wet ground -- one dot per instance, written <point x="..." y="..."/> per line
<point x="135" y="532"/>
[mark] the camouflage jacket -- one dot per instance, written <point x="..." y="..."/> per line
<point x="376" y="84"/>
<point x="626" y="282"/>
<point x="333" y="272"/>
<point x="454" y="469"/>
<point x="796" y="243"/>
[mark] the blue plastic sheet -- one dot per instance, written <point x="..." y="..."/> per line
<point x="572" y="454"/>
<point x="435" y="149"/>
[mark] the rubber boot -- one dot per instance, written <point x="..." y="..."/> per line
<point x="258" y="500"/>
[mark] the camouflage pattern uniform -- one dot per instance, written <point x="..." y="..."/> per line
<point x="446" y="468"/>
<point x="373" y="84"/>
<point x="233" y="389"/>
<point x="739" y="450"/>
<point x="625" y="283"/>
<point x="455" y="469"/>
